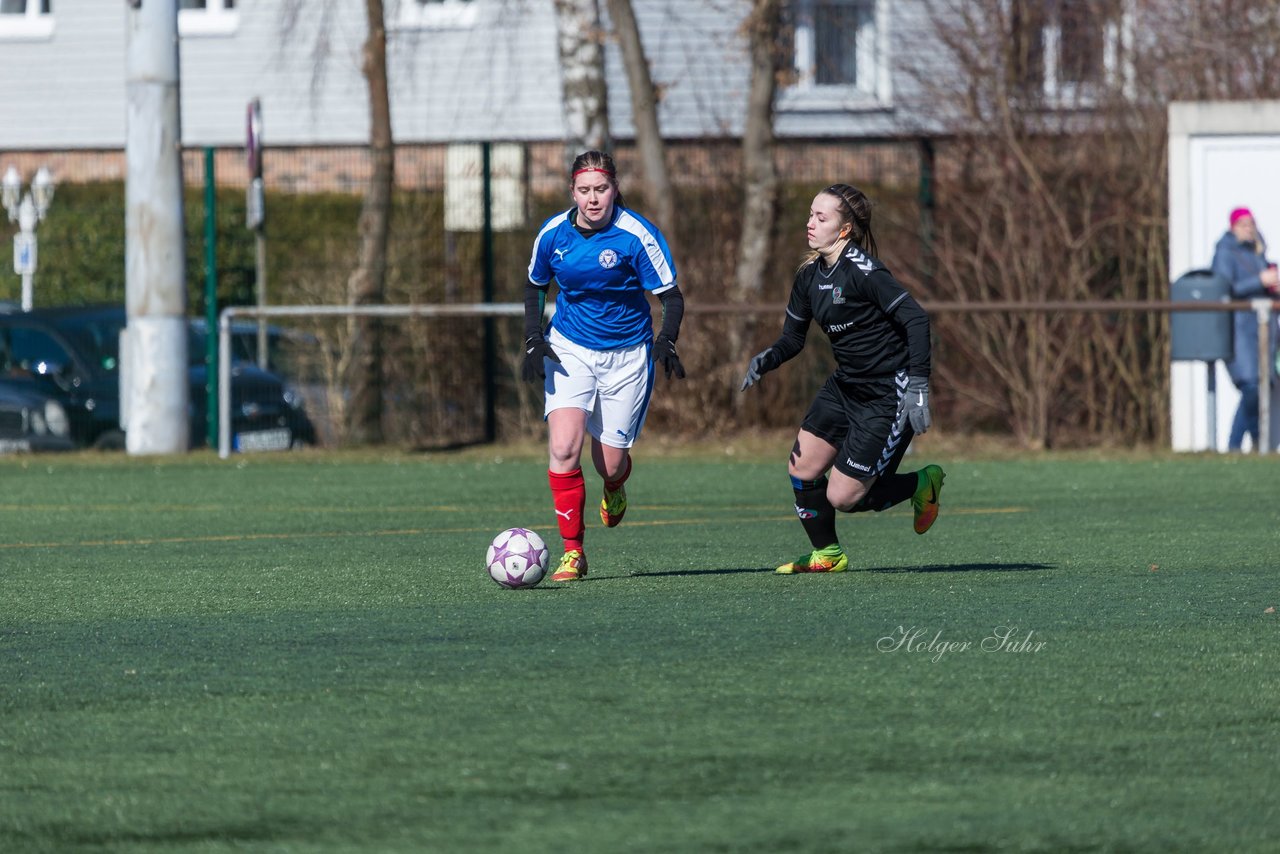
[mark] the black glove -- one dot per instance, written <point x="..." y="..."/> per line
<point x="664" y="351"/>
<point x="915" y="406"/>
<point x="536" y="349"/>
<point x="760" y="365"/>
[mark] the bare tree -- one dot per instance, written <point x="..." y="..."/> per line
<point x="1028" y="212"/>
<point x="1208" y="50"/>
<point x="359" y="366"/>
<point x="1051" y="186"/>
<point x="760" y="176"/>
<point x="367" y="284"/>
<point x="586" y="109"/>
<point x="644" y="109"/>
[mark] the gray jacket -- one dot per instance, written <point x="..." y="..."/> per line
<point x="1240" y="264"/>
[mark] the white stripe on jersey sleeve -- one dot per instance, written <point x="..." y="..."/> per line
<point x="550" y="225"/>
<point x="632" y="225"/>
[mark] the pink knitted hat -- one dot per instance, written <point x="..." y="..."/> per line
<point x="1238" y="213"/>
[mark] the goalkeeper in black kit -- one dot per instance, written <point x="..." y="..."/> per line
<point x="855" y="433"/>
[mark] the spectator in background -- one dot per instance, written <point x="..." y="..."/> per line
<point x="1240" y="258"/>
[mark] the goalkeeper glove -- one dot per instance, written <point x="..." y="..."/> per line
<point x="761" y="364"/>
<point x="536" y="349"/>
<point x="915" y="406"/>
<point x="664" y="351"/>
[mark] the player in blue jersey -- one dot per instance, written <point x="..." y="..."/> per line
<point x="852" y="439"/>
<point x="596" y="358"/>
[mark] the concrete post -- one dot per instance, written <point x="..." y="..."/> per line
<point x="155" y="271"/>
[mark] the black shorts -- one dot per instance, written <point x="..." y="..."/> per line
<point x="858" y="418"/>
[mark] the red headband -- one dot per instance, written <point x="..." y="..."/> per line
<point x="592" y="169"/>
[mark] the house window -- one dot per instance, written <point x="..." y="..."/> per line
<point x="1069" y="50"/>
<point x="437" y="14"/>
<point x="26" y="19"/>
<point x="207" y="17"/>
<point x="836" y="46"/>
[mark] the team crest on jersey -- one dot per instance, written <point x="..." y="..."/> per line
<point x="837" y="296"/>
<point x="608" y="259"/>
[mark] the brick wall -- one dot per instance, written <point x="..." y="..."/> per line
<point x="346" y="169"/>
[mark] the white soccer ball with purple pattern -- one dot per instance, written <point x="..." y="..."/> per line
<point x="517" y="558"/>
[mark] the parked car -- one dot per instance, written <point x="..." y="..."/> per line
<point x="74" y="355"/>
<point x="290" y="352"/>
<point x="299" y="357"/>
<point x="30" y="421"/>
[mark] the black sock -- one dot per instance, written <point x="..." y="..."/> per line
<point x="815" y="511"/>
<point x="887" y="491"/>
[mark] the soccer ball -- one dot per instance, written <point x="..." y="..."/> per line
<point x="517" y="558"/>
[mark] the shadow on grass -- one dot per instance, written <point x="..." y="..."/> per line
<point x="965" y="567"/>
<point x="937" y="567"/>
<point x="678" y="572"/>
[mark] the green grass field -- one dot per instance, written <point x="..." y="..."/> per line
<point x="304" y="653"/>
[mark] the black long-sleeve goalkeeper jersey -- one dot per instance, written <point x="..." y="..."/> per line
<point x="876" y="328"/>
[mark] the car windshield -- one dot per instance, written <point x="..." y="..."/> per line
<point x="99" y="339"/>
<point x="197" y="341"/>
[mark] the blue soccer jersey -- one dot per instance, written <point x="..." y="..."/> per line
<point x="603" y="280"/>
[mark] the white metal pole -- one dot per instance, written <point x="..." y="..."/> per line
<point x="155" y="268"/>
<point x="224" y="384"/>
<point x="1262" y="308"/>
<point x="28" y="291"/>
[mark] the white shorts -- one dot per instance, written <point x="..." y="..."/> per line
<point x="612" y="386"/>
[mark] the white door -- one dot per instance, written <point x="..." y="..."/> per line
<point x="1225" y="172"/>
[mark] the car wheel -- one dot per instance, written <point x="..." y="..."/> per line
<point x="109" y="440"/>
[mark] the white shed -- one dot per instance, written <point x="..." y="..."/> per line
<point x="1222" y="155"/>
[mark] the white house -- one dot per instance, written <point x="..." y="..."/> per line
<point x="470" y="70"/>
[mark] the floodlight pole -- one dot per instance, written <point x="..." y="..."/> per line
<point x="156" y="397"/>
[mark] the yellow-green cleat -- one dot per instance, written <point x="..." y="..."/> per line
<point x="573" y="567"/>
<point x="613" y="506"/>
<point x="925" y="500"/>
<point x="815" y="561"/>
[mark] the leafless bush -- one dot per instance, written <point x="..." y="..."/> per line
<point x="1051" y="185"/>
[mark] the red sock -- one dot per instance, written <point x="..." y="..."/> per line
<point x="569" y="492"/>
<point x="614" y="485"/>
